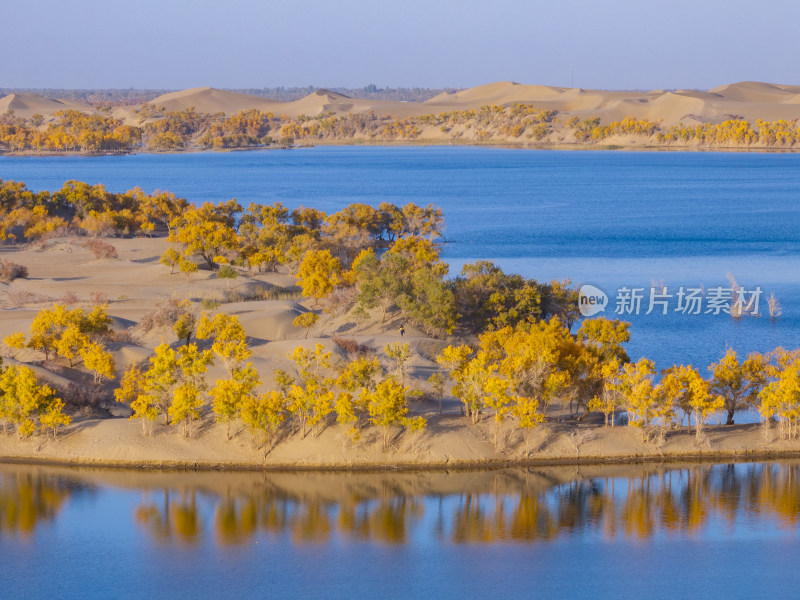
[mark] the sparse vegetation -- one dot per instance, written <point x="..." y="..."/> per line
<point x="10" y="271"/>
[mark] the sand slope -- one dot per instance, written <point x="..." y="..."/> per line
<point x="748" y="100"/>
<point x="27" y="105"/>
<point x="210" y="100"/>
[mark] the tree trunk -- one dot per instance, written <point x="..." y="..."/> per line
<point x="730" y="416"/>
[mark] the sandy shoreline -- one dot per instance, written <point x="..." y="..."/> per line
<point x="563" y="147"/>
<point x="63" y="270"/>
<point x="449" y="444"/>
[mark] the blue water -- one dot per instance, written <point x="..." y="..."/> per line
<point x="611" y="219"/>
<point x="721" y="531"/>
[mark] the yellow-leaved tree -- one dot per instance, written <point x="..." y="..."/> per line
<point x="229" y="344"/>
<point x="319" y="274"/>
<point x="24" y="399"/>
<point x="264" y="414"/>
<point x="72" y="334"/>
<point x="608" y="400"/>
<point x="738" y="382"/>
<point x="780" y="398"/>
<point x="310" y="396"/>
<point x="684" y="388"/>
<point x="388" y="406"/>
<point x="643" y="405"/>
<point x="355" y="384"/>
<point x="306" y="321"/>
<point x="206" y="231"/>
<point x="230" y="396"/>
<point x="159" y="381"/>
<point x="187" y="398"/>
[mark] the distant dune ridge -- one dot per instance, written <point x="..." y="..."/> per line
<point x="27" y="105"/>
<point x="746" y="100"/>
<point x="210" y="100"/>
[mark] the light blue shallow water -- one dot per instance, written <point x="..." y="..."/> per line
<point x="723" y="531"/>
<point x="607" y="218"/>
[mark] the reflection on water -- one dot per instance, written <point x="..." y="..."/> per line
<point x="171" y="517"/>
<point x="507" y="506"/>
<point x="28" y="499"/>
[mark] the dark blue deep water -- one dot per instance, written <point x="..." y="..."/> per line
<point x="611" y="219"/>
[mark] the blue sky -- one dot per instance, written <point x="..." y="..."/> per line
<point x="611" y="44"/>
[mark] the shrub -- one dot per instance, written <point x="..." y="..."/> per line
<point x="90" y="397"/>
<point x="227" y="272"/>
<point x="24" y="297"/>
<point x="124" y="336"/>
<point x="100" y="249"/>
<point x="209" y="303"/>
<point x="165" y="314"/>
<point x="69" y="298"/>
<point x="350" y="347"/>
<point x="10" y="271"/>
<point x="282" y="293"/>
<point x="342" y="300"/>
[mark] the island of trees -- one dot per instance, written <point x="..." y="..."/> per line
<point x="509" y="350"/>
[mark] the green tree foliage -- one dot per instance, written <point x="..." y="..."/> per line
<point x="487" y="298"/>
<point x="399" y="355"/>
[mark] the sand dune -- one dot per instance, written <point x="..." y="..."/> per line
<point x="27" y="105"/>
<point x="210" y="100"/>
<point x="502" y="92"/>
<point x="323" y="101"/>
<point x="748" y="100"/>
<point x="751" y="91"/>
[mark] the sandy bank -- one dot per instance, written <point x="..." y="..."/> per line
<point x="449" y="443"/>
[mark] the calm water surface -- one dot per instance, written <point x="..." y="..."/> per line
<point x="607" y="218"/>
<point x="721" y="531"/>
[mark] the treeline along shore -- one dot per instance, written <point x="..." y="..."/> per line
<point x="746" y="115"/>
<point x="139" y="329"/>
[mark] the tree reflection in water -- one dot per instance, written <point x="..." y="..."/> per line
<point x="29" y="498"/>
<point x="510" y="506"/>
<point x="174" y="517"/>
